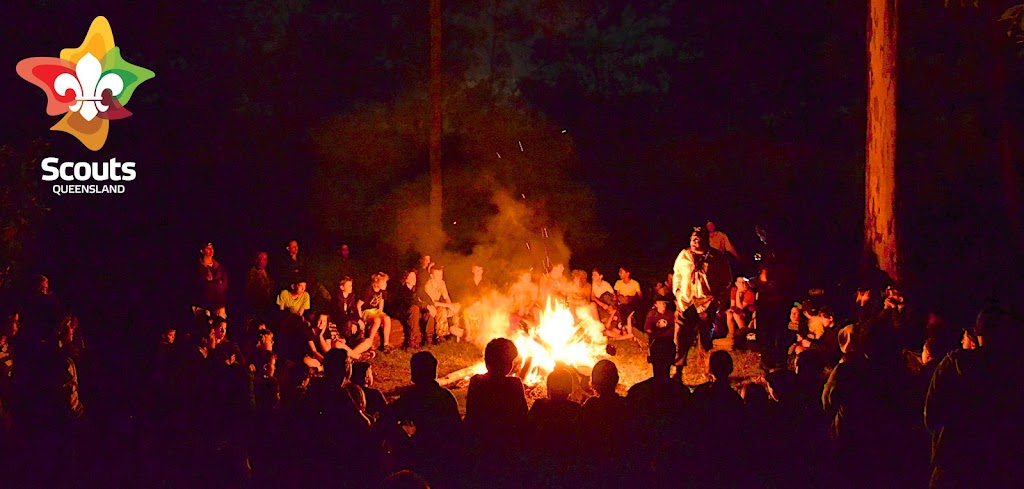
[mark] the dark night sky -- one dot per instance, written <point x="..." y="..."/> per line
<point x="765" y="125"/>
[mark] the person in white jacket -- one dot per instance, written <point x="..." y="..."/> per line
<point x="700" y="281"/>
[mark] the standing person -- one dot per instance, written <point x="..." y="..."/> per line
<point x="720" y="241"/>
<point x="346" y="266"/>
<point x="290" y="267"/>
<point x="213" y="280"/>
<point x="43" y="309"/>
<point x="371" y="309"/>
<point x="700" y="283"/>
<point x="259" y="287"/>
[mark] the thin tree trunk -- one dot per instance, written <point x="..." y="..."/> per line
<point x="435" y="114"/>
<point x="880" y="226"/>
<point x="1002" y="50"/>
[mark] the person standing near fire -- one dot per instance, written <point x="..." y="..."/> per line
<point x="700" y="282"/>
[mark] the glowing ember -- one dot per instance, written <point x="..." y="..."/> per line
<point x="559" y="337"/>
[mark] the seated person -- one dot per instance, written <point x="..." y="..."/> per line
<point x="660" y="321"/>
<point x="603" y="297"/>
<point x="352" y="341"/>
<point x="405" y="306"/>
<point x="553" y="285"/>
<point x="663" y="291"/>
<point x="579" y="295"/>
<point x="296" y="300"/>
<point x="525" y="297"/>
<point x="343" y="308"/>
<point x="362" y="375"/>
<point x="741" y="307"/>
<point x="627" y="297"/>
<point x="496" y="408"/>
<point x="317" y="341"/>
<point x="476" y="290"/>
<point x="441" y="310"/>
<point x="371" y="309"/>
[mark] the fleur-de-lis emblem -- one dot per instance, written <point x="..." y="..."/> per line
<point x="89" y="85"/>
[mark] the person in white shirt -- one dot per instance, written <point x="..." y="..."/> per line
<point x="700" y="282"/>
<point x="720" y="241"/>
<point x="602" y="295"/>
<point x="627" y="295"/>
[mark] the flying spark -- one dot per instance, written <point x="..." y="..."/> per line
<point x="520" y="146"/>
<point x="499" y="154"/>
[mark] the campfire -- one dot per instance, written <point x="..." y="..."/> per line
<point x="558" y="337"/>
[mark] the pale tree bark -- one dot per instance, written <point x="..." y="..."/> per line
<point x="880" y="226"/>
<point x="435" y="114"/>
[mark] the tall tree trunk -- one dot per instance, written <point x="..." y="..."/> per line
<point x="1001" y="50"/>
<point x="880" y="227"/>
<point x="435" y="114"/>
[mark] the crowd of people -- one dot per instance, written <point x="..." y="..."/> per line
<point x="856" y="392"/>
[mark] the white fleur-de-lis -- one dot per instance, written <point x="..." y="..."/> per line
<point x="88" y="86"/>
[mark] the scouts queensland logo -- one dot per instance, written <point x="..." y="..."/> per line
<point x="89" y="85"/>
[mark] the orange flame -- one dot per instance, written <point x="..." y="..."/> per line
<point x="559" y="337"/>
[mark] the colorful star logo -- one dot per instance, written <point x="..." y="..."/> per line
<point x="89" y="85"/>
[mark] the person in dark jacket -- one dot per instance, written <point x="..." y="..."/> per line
<point x="424" y="423"/>
<point x="213" y="282"/>
<point x="973" y="408"/>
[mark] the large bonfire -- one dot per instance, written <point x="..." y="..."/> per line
<point x="560" y="336"/>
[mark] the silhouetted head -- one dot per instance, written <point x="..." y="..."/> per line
<point x="662" y="352"/>
<point x="499" y="356"/>
<point x="810" y="365"/>
<point x="362" y="374"/>
<point x="999" y="327"/>
<point x="423" y="367"/>
<point x="560" y="383"/>
<point x="336" y="367"/>
<point x="720" y="365"/>
<point x="755" y="396"/>
<point x="605" y="377"/>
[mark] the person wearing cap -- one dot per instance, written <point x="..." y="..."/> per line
<point x="213" y="280"/>
<point x="700" y="283"/>
<point x="659" y="321"/>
